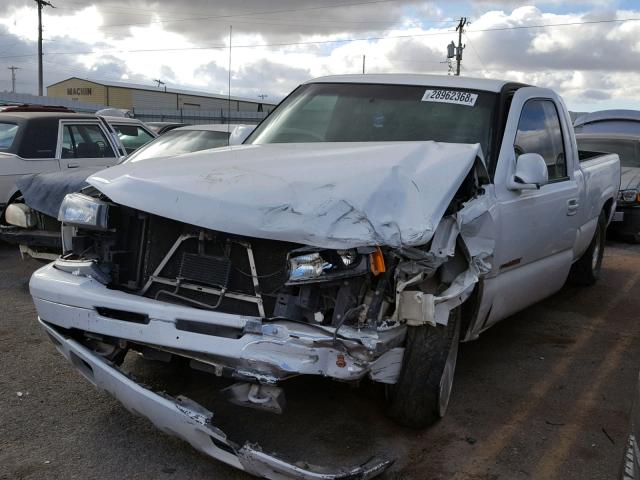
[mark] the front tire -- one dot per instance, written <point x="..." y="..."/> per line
<point x="421" y="395"/>
<point x="586" y="271"/>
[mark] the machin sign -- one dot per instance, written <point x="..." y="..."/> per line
<point x="79" y="91"/>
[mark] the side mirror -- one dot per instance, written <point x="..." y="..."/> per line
<point x="240" y="134"/>
<point x="531" y="173"/>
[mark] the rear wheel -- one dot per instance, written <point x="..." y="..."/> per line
<point x="586" y="271"/>
<point x="421" y="395"/>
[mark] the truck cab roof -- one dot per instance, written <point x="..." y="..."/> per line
<point x="486" y="84"/>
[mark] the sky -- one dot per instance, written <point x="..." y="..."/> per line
<point x="588" y="51"/>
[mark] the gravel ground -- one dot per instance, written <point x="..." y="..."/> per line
<point x="545" y="395"/>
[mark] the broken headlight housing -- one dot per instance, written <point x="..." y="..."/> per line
<point x="629" y="196"/>
<point x="84" y="211"/>
<point x="308" y="265"/>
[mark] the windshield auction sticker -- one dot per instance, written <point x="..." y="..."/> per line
<point x="450" y="96"/>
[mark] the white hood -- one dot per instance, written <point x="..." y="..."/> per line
<point x="330" y="195"/>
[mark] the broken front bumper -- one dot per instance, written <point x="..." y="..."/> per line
<point x="32" y="238"/>
<point x="190" y="421"/>
<point x="236" y="346"/>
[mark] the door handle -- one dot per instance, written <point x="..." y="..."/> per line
<point x="572" y="206"/>
<point x="72" y="165"/>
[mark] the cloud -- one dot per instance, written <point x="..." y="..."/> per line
<point x="596" y="94"/>
<point x="591" y="64"/>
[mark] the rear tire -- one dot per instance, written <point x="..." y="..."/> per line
<point x="421" y="395"/>
<point x="586" y="271"/>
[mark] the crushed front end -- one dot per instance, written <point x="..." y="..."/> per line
<point x="252" y="310"/>
<point x="249" y="309"/>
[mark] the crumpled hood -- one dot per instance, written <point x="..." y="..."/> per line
<point x="629" y="178"/>
<point x="44" y="192"/>
<point x="330" y="195"/>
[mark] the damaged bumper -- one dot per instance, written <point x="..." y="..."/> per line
<point x="190" y="421"/>
<point x="241" y="347"/>
<point x="32" y="238"/>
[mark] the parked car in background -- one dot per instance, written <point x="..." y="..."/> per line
<point x="30" y="107"/>
<point x="365" y="227"/>
<point x="163" y="127"/>
<point x="609" y="121"/>
<point x="626" y="221"/>
<point x="192" y="138"/>
<point x="115" y="112"/>
<point x="130" y="132"/>
<point x="37" y="142"/>
<point x="32" y="221"/>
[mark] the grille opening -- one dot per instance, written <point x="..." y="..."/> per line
<point x="205" y="269"/>
<point x="208" y="329"/>
<point x="123" y="315"/>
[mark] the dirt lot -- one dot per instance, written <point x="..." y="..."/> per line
<point x="543" y="395"/>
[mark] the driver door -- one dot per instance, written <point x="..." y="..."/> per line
<point x="537" y="228"/>
<point x="84" y="143"/>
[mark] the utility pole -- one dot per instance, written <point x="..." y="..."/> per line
<point x="363" y="60"/>
<point x="160" y="82"/>
<point x="13" y="77"/>
<point x="229" y="79"/>
<point x="41" y="3"/>
<point x="262" y="96"/>
<point x="460" y="30"/>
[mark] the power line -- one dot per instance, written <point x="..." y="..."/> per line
<point x="324" y="42"/>
<point x="262" y="22"/>
<point x="318" y="24"/>
<point x="475" y="51"/>
<point x="547" y="25"/>
<point x="218" y="47"/>
<point x="246" y="14"/>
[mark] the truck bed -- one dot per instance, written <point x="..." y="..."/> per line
<point x="584" y="155"/>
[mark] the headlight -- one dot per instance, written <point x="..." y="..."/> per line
<point x="307" y="267"/>
<point x="628" y="196"/>
<point x="323" y="265"/>
<point x="84" y="211"/>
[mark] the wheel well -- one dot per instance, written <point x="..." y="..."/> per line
<point x="607" y="208"/>
<point x="469" y="311"/>
<point x="13" y="198"/>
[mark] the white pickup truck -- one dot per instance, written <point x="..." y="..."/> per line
<point x="367" y="226"/>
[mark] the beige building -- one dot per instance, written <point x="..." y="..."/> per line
<point x="132" y="97"/>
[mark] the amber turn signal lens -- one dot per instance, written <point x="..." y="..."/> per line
<point x="377" y="262"/>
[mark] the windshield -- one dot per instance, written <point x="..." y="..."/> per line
<point x="132" y="136"/>
<point x="176" y="142"/>
<point x="8" y="132"/>
<point x="327" y="112"/>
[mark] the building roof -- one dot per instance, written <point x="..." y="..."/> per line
<point x="151" y="88"/>
<point x="487" y="84"/>
<point x="608" y="115"/>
